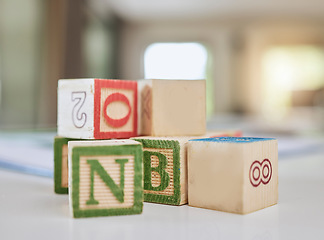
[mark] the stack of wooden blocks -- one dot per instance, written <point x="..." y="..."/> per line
<point x="122" y="142"/>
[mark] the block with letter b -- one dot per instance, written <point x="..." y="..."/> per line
<point x="165" y="169"/>
<point x="233" y="174"/>
<point x="172" y="107"/>
<point x="105" y="178"/>
<point x="97" y="108"/>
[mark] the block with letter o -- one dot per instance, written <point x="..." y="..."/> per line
<point x="97" y="108"/>
<point x="115" y="113"/>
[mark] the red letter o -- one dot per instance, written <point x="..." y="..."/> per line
<point x="114" y="98"/>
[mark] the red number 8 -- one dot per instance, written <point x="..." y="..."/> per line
<point x="260" y="172"/>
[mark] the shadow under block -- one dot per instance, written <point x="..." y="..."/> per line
<point x="172" y="107"/>
<point x="97" y="108"/>
<point x="231" y="174"/>
<point x="165" y="169"/>
<point x="105" y="178"/>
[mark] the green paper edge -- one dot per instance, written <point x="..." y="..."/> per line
<point x="158" y="198"/>
<point x="135" y="150"/>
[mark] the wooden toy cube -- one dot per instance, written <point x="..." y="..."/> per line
<point x="105" y="178"/>
<point x="61" y="176"/>
<point x="238" y="175"/>
<point x="165" y="169"/>
<point x="97" y="108"/>
<point x="172" y="107"/>
<point x="61" y="180"/>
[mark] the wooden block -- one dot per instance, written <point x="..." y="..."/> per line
<point x="97" y="108"/>
<point x="238" y="175"/>
<point x="61" y="178"/>
<point x="105" y="178"/>
<point x="61" y="165"/>
<point x="172" y="107"/>
<point x="165" y="169"/>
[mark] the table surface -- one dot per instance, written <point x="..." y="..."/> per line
<point x="29" y="209"/>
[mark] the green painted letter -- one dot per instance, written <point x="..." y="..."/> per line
<point x="118" y="191"/>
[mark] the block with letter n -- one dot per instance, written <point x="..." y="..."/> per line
<point x="97" y="108"/>
<point x="105" y="178"/>
<point x="165" y="169"/>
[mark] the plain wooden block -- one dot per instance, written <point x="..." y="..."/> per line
<point x="233" y="174"/>
<point x="97" y="108"/>
<point x="172" y="107"/>
<point x="105" y="178"/>
<point x="165" y="169"/>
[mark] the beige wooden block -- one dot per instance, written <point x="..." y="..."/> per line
<point x="105" y="177"/>
<point x="97" y="108"/>
<point x="172" y="107"/>
<point x="233" y="174"/>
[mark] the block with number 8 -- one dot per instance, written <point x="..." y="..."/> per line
<point x="233" y="174"/>
<point x="97" y="108"/>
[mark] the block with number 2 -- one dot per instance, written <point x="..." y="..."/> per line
<point x="97" y="108"/>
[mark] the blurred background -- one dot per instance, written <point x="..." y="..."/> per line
<point x="264" y="66"/>
<point x="263" y="60"/>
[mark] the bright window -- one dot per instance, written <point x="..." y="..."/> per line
<point x="287" y="69"/>
<point x="175" y="61"/>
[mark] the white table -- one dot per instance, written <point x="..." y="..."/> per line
<point x="29" y="209"/>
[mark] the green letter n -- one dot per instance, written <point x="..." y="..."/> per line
<point x="118" y="191"/>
